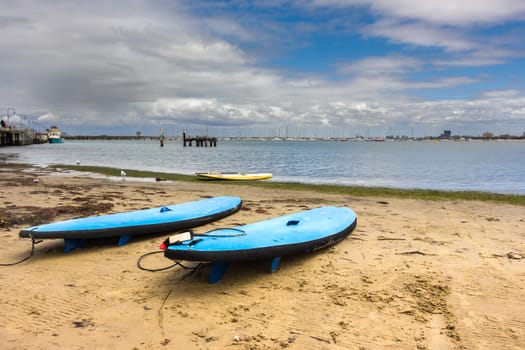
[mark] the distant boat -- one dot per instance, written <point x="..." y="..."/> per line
<point x="54" y="135"/>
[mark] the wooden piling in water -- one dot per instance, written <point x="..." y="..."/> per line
<point x="200" y="141"/>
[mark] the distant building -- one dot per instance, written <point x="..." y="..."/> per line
<point x="446" y="134"/>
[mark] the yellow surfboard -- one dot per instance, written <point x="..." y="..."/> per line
<point x="217" y="175"/>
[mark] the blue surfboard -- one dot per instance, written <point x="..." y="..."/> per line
<point x="302" y="232"/>
<point x="147" y="221"/>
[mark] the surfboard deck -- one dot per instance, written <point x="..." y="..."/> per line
<point x="159" y="220"/>
<point x="217" y="175"/>
<point x="303" y="232"/>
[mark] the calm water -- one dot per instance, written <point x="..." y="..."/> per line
<point x="485" y="166"/>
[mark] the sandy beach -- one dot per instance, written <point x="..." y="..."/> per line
<point x="413" y="275"/>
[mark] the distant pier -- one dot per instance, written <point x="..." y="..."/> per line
<point x="200" y="141"/>
<point x="10" y="136"/>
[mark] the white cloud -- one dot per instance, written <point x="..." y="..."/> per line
<point x="449" y="25"/>
<point x="382" y="65"/>
<point x="453" y="12"/>
<point x="501" y="93"/>
<point x="420" y="34"/>
<point x="441" y="12"/>
<point x="47" y="118"/>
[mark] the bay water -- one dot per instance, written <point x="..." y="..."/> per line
<point x="490" y="166"/>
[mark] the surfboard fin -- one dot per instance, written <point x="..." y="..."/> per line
<point x="218" y="269"/>
<point x="275" y="264"/>
<point x="71" y="244"/>
<point x="124" y="240"/>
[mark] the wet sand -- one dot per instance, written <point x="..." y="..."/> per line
<point x="413" y="275"/>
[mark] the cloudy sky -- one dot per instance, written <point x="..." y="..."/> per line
<point x="385" y="66"/>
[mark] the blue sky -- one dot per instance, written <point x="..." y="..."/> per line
<point x="385" y="66"/>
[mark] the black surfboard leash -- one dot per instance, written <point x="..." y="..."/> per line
<point x="33" y="242"/>
<point x="177" y="263"/>
<point x="192" y="242"/>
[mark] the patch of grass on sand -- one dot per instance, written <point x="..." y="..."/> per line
<point x="357" y="191"/>
<point x="15" y="166"/>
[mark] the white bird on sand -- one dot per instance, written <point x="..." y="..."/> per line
<point x="123" y="175"/>
<point x="78" y="162"/>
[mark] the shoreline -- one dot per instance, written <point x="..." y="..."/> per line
<point x="428" y="194"/>
<point x="415" y="273"/>
<point x="356" y="190"/>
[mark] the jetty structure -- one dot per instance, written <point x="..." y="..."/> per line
<point x="14" y="137"/>
<point x="18" y="134"/>
<point x="200" y="141"/>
